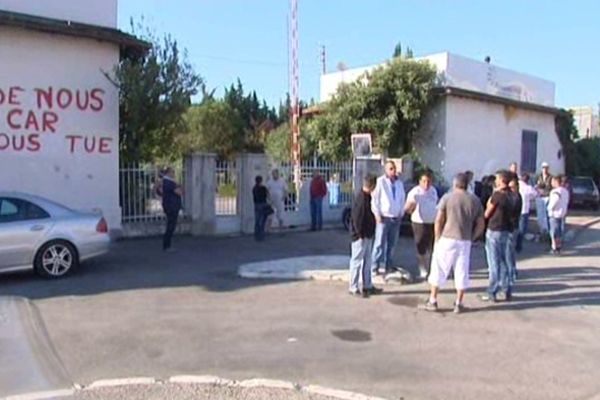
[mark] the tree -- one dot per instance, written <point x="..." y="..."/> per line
<point x="278" y="143"/>
<point x="212" y="126"/>
<point x="257" y="118"/>
<point x="567" y="134"/>
<point x="398" y="51"/>
<point x="390" y="103"/>
<point x="155" y="91"/>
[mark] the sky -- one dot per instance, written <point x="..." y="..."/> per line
<point x="248" y="39"/>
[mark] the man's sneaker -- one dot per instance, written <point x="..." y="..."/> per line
<point x="364" y="294"/>
<point x="354" y="293"/>
<point x="458" y="308"/>
<point x="374" y="290"/>
<point x="423" y="273"/>
<point x="488" y="298"/>
<point x="429" y="306"/>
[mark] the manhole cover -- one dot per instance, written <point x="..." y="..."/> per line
<point x="405" y="301"/>
<point x="352" y="335"/>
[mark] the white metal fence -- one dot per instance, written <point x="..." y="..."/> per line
<point x="227" y="188"/>
<point x="139" y="198"/>
<point x="338" y="176"/>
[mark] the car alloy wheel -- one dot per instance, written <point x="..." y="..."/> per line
<point x="57" y="259"/>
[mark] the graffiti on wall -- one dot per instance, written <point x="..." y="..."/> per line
<point x="29" y="116"/>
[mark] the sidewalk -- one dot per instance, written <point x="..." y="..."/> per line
<point x="335" y="267"/>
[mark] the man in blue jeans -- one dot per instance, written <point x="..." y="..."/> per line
<point x="363" y="230"/>
<point x="387" y="205"/>
<point x="498" y="212"/>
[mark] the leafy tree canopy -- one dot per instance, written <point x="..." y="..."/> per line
<point x="390" y="103"/>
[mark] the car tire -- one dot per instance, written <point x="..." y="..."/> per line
<point x="56" y="259"/>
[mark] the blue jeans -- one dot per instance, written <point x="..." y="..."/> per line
<point x="360" y="264"/>
<point x="556" y="228"/>
<point x="523" y="226"/>
<point x="386" y="236"/>
<point x="511" y="255"/>
<point x="495" y="250"/>
<point x="316" y="213"/>
<point x="260" y="219"/>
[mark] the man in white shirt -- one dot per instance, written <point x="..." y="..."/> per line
<point x="421" y="203"/>
<point x="558" y="204"/>
<point x="277" y="188"/>
<point x="528" y="194"/>
<point x="387" y="204"/>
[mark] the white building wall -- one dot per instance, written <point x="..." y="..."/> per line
<point x="430" y="140"/>
<point x="94" y="12"/>
<point x="484" y="137"/>
<point x="54" y="162"/>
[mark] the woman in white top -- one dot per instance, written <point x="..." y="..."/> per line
<point x="421" y="203"/>
<point x="528" y="194"/>
<point x="558" y="203"/>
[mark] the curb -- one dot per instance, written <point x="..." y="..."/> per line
<point x="197" y="380"/>
<point x="580" y="228"/>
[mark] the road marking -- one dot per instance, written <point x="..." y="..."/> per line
<point x="201" y="380"/>
<point x="267" y="383"/>
<point x="103" y="383"/>
<point x="49" y="394"/>
<point x="338" y="394"/>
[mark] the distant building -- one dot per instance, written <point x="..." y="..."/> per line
<point x="586" y="121"/>
<point x="485" y="117"/>
<point x="59" y="113"/>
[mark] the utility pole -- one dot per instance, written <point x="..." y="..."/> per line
<point x="323" y="60"/>
<point x="295" y="123"/>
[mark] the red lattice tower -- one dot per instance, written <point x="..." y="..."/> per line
<point x="295" y="81"/>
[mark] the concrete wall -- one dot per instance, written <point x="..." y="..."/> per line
<point x="483" y="137"/>
<point x="430" y="141"/>
<point x="95" y="12"/>
<point x="72" y="158"/>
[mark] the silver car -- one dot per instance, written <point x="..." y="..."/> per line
<point x="39" y="234"/>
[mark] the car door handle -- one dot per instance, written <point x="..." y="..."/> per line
<point x="37" y="228"/>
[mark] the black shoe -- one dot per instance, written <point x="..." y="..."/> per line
<point x="488" y="298"/>
<point x="364" y="294"/>
<point x="374" y="290"/>
<point x="429" y="306"/>
<point x="459" y="308"/>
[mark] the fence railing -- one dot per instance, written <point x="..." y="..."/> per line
<point x="139" y="195"/>
<point x="227" y="188"/>
<point x="338" y="176"/>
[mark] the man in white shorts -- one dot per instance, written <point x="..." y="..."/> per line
<point x="277" y="188"/>
<point x="458" y="222"/>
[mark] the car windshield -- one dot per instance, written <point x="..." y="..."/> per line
<point x="583" y="183"/>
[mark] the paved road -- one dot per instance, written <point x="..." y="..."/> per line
<point x="139" y="312"/>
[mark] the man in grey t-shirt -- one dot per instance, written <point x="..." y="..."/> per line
<point x="458" y="222"/>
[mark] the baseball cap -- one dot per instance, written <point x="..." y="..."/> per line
<point x="545" y="164"/>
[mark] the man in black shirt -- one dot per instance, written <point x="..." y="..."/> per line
<point x="261" y="208"/>
<point x="171" y="202"/>
<point x="363" y="231"/>
<point x="498" y="213"/>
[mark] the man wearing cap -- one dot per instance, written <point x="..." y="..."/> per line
<point x="544" y="186"/>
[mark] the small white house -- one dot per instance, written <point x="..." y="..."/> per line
<point x="59" y="114"/>
<point x="484" y="118"/>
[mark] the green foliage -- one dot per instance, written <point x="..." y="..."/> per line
<point x="390" y="103"/>
<point x="257" y="118"/>
<point x="398" y="51"/>
<point x="587" y="158"/>
<point x="212" y="126"/>
<point x="155" y="92"/>
<point x="278" y="142"/>
<point x="567" y="134"/>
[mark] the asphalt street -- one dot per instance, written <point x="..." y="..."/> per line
<point x="141" y="312"/>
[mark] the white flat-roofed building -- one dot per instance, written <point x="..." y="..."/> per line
<point x="484" y="118"/>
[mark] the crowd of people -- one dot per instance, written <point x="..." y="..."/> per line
<point x="495" y="210"/>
